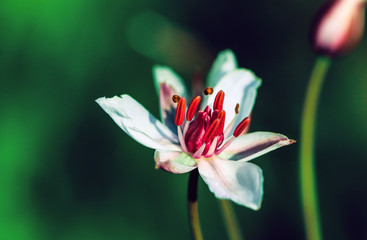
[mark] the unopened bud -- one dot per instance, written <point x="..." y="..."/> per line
<point x="338" y="27"/>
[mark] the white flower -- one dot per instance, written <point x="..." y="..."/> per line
<point x="211" y="139"/>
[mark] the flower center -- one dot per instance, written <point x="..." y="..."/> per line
<point x="204" y="135"/>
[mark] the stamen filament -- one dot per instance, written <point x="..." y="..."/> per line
<point x="198" y="152"/>
<point x="186" y="127"/>
<point x="224" y="146"/>
<point x="229" y="127"/>
<point x="212" y="148"/>
<point x="181" y="139"/>
<point x="231" y="124"/>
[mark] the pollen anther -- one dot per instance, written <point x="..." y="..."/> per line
<point x="192" y="108"/>
<point x="208" y="91"/>
<point x="180" y="111"/>
<point x="237" y="108"/>
<point x="241" y="127"/>
<point x="175" y="98"/>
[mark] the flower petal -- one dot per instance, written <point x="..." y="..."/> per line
<point x="168" y="83"/>
<point x="175" y="162"/>
<point x="240" y="87"/>
<point x="242" y="182"/>
<point x="252" y="145"/>
<point x="138" y="123"/>
<point x="225" y="62"/>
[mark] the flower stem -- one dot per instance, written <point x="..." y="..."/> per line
<point x="230" y="220"/>
<point x="307" y="173"/>
<point x="192" y="197"/>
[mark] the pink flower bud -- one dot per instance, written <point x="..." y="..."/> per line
<point x="338" y="27"/>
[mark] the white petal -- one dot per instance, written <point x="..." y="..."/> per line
<point x="168" y="83"/>
<point x="240" y="86"/>
<point x="242" y="182"/>
<point x="252" y="145"/>
<point x="175" y="162"/>
<point x="225" y="62"/>
<point x="138" y="123"/>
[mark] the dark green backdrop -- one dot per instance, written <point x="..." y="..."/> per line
<point x="68" y="172"/>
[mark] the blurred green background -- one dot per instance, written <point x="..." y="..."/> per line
<point x="68" y="172"/>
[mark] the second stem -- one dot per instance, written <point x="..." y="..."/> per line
<point x="307" y="172"/>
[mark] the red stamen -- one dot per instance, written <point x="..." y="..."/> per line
<point x="218" y="102"/>
<point x="211" y="132"/>
<point x="208" y="91"/>
<point x="242" y="126"/>
<point x="215" y="115"/>
<point x="208" y="110"/>
<point x="192" y="108"/>
<point x="222" y="118"/>
<point x="180" y="112"/>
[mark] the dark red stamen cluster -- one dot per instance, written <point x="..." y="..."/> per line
<point x="204" y="135"/>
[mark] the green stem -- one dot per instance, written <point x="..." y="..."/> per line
<point x="307" y="173"/>
<point x="192" y="197"/>
<point x="230" y="220"/>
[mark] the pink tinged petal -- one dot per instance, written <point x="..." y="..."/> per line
<point x="240" y="87"/>
<point x="138" y="123"/>
<point x="224" y="63"/>
<point x="167" y="84"/>
<point x="167" y="106"/>
<point x="252" y="145"/>
<point x="175" y="162"/>
<point x="241" y="182"/>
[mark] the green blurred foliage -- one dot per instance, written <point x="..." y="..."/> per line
<point x="68" y="172"/>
